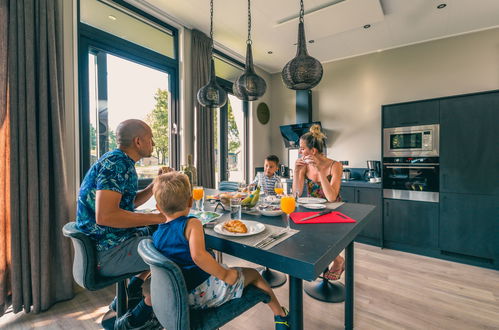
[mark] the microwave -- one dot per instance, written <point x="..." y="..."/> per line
<point x="411" y="141"/>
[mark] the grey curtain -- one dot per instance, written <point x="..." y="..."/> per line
<point x="205" y="144"/>
<point x="41" y="257"/>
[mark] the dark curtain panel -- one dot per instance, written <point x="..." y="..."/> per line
<point x="205" y="144"/>
<point x="41" y="257"/>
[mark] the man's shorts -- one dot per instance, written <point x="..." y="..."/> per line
<point x="122" y="259"/>
<point x="214" y="292"/>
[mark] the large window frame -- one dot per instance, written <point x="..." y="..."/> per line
<point x="89" y="39"/>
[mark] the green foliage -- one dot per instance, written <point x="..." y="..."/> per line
<point x="157" y="119"/>
<point x="112" y="140"/>
<point x="234" y="141"/>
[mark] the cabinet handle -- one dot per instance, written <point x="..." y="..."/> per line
<point x="387" y="209"/>
<point x="358" y="196"/>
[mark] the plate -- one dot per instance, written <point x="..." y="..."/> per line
<point x="254" y="228"/>
<point x="314" y="206"/>
<point x="311" y="200"/>
<point x="269" y="212"/>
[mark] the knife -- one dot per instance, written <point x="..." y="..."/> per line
<point x="316" y="215"/>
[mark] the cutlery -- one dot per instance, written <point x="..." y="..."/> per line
<point x="271" y="238"/>
<point x="316" y="215"/>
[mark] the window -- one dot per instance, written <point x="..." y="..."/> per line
<point x="119" y="80"/>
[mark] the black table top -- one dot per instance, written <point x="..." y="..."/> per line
<point x="306" y="254"/>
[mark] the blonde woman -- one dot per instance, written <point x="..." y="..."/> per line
<point x="322" y="178"/>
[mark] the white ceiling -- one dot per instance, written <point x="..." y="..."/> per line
<point x="336" y="26"/>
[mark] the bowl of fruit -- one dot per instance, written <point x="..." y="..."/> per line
<point x="269" y="210"/>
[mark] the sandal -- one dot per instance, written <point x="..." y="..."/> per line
<point x="334" y="275"/>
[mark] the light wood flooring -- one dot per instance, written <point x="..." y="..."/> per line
<point x="393" y="290"/>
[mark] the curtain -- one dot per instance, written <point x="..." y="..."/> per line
<point x="41" y="257"/>
<point x="205" y="145"/>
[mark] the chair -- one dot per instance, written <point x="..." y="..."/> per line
<point x="228" y="186"/>
<point x="85" y="267"/>
<point x="169" y="296"/>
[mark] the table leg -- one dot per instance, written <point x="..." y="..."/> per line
<point x="296" y="302"/>
<point x="349" y="284"/>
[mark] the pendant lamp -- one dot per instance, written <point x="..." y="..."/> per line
<point x="212" y="95"/>
<point x="249" y="86"/>
<point x="303" y="71"/>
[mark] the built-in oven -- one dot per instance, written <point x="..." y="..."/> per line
<point x="411" y="178"/>
<point x="411" y="141"/>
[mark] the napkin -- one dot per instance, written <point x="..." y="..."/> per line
<point x="333" y="217"/>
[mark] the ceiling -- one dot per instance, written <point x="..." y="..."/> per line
<point x="336" y="27"/>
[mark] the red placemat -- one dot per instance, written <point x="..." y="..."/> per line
<point x="333" y="217"/>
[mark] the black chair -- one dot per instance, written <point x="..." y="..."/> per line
<point x="324" y="290"/>
<point x="85" y="271"/>
<point x="169" y="296"/>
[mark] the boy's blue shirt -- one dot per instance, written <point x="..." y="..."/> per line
<point x="169" y="239"/>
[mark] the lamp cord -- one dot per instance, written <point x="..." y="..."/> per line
<point x="302" y="11"/>
<point x="248" y="41"/>
<point x="211" y="26"/>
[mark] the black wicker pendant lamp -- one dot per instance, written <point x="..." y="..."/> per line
<point x="249" y="86"/>
<point x="303" y="71"/>
<point x="212" y="95"/>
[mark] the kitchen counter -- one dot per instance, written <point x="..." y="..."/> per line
<point x="361" y="184"/>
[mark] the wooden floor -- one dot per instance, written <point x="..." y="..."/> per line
<point x="393" y="290"/>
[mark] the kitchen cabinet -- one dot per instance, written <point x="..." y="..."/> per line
<point x="469" y="225"/>
<point x="410" y="223"/>
<point x="371" y="234"/>
<point x="411" y="114"/>
<point x="469" y="160"/>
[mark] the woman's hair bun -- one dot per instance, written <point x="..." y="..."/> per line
<point x="316" y="132"/>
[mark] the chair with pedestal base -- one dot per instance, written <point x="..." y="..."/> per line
<point x="324" y="290"/>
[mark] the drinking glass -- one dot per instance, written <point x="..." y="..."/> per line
<point x="288" y="205"/>
<point x="197" y="194"/>
<point x="278" y="188"/>
<point x="235" y="208"/>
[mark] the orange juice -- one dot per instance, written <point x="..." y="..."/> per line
<point x="197" y="193"/>
<point x="288" y="204"/>
<point x="279" y="191"/>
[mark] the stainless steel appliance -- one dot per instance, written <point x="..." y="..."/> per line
<point x="411" y="141"/>
<point x="373" y="169"/>
<point x="411" y="178"/>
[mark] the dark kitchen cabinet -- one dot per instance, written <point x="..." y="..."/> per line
<point x="469" y="225"/>
<point x="469" y="160"/>
<point x="411" y="114"/>
<point x="371" y="234"/>
<point x="410" y="223"/>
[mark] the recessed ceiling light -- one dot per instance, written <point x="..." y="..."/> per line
<point x="112" y="18"/>
<point x="311" y="41"/>
<point x="270" y="52"/>
<point x="367" y="26"/>
<point x="442" y="5"/>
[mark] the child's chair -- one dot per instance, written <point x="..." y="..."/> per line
<point x="169" y="296"/>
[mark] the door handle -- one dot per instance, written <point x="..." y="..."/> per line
<point x="414" y="167"/>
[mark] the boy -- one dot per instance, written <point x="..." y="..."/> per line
<point x="181" y="239"/>
<point x="267" y="179"/>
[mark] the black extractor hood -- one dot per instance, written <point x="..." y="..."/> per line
<point x="292" y="133"/>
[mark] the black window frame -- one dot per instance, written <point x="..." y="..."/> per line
<point x="90" y="37"/>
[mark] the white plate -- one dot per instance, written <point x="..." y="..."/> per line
<point x="269" y="212"/>
<point x="314" y="206"/>
<point x="253" y="228"/>
<point x="311" y="200"/>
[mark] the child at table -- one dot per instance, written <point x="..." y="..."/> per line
<point x="267" y="179"/>
<point x="181" y="239"/>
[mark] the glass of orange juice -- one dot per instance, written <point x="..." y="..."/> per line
<point x="288" y="205"/>
<point x="278" y="188"/>
<point x="197" y="194"/>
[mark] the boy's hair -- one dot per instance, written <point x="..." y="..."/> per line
<point x="172" y="192"/>
<point x="273" y="158"/>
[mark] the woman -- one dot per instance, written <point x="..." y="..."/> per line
<point x="322" y="177"/>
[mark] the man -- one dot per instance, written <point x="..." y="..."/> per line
<point x="106" y="202"/>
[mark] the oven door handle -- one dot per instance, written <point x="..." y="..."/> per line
<point x="417" y="167"/>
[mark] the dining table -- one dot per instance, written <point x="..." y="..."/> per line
<point x="304" y="255"/>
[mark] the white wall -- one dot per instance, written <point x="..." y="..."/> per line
<point x="348" y="99"/>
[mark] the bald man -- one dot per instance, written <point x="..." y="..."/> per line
<point x="107" y="200"/>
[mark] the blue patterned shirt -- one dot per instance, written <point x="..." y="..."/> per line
<point x="115" y="171"/>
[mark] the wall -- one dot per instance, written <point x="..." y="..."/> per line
<point x="348" y="99"/>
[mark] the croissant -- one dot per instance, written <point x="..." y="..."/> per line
<point x="236" y="226"/>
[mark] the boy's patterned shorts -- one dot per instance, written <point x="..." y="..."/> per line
<point x="214" y="292"/>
